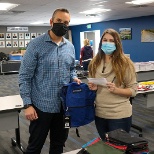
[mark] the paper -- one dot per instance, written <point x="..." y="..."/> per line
<point x="98" y="81"/>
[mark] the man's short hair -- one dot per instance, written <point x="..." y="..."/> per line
<point x="59" y="10"/>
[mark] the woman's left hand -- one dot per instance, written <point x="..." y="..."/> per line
<point x="92" y="86"/>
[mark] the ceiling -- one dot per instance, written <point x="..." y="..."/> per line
<point x="41" y="10"/>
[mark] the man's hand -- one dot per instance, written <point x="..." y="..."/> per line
<point x="77" y="80"/>
<point x="30" y="113"/>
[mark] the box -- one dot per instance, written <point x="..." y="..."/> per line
<point x="146" y="66"/>
<point x="152" y="65"/>
<point x="15" y="56"/>
<point x="22" y="52"/>
<point x="137" y="66"/>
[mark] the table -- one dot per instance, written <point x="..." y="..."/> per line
<point x="145" y="75"/>
<point x="10" y="107"/>
<point x="149" y="94"/>
<point x="141" y="77"/>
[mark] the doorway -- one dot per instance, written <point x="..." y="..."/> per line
<point x="94" y="38"/>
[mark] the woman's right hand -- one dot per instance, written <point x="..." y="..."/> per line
<point x="30" y="113"/>
<point x="92" y="86"/>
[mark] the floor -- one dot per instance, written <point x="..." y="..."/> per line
<point x="142" y="116"/>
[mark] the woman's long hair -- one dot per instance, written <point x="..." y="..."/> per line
<point x="119" y="61"/>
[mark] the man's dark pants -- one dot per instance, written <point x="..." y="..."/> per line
<point x="51" y="123"/>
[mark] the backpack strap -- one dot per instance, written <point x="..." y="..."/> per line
<point x="63" y="93"/>
<point x="77" y="132"/>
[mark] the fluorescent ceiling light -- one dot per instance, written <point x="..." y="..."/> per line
<point x="37" y="23"/>
<point x="7" y="6"/>
<point x="140" y="2"/>
<point x="95" y="10"/>
<point x="99" y="3"/>
<point x="93" y="15"/>
<point x="97" y="0"/>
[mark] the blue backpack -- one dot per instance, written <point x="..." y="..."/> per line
<point x="78" y="103"/>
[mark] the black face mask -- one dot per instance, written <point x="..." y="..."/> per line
<point x="59" y="29"/>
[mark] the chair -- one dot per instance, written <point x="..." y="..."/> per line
<point x="133" y="125"/>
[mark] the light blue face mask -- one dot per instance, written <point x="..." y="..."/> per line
<point x="108" y="48"/>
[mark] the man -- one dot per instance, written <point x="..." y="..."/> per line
<point x="33" y="36"/>
<point x="14" y="35"/>
<point x="8" y="36"/>
<point x="14" y="43"/>
<point x="21" y="43"/>
<point x="2" y="44"/>
<point x="20" y="35"/>
<point x="47" y="65"/>
<point x="8" y="44"/>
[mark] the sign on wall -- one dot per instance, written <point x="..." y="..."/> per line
<point x="17" y="29"/>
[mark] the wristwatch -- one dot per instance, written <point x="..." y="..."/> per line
<point x="27" y="106"/>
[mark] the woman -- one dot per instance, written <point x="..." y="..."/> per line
<point x="86" y="54"/>
<point x="113" y="108"/>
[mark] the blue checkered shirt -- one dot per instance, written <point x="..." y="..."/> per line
<point x="44" y="69"/>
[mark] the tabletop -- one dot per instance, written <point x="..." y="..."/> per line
<point x="11" y="102"/>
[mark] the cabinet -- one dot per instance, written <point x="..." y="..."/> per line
<point x="9" y="66"/>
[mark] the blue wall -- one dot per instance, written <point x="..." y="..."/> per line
<point x="139" y="51"/>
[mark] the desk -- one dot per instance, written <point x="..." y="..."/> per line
<point x="10" y="107"/>
<point x="146" y="76"/>
<point x="149" y="97"/>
